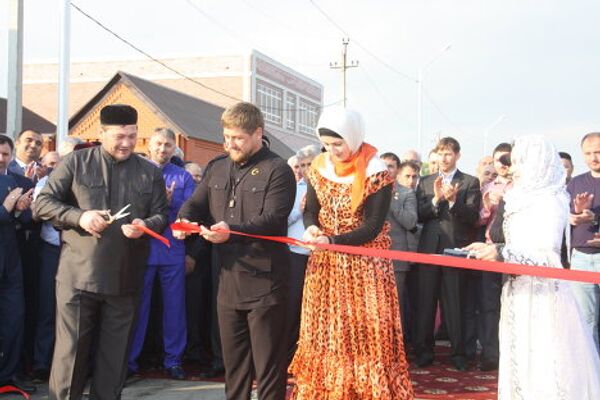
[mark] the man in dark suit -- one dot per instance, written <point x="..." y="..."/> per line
<point x="15" y="200"/>
<point x="251" y="190"/>
<point x="28" y="148"/>
<point x="448" y="206"/>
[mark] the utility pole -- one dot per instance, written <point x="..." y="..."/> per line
<point x="344" y="66"/>
<point x="14" y="106"/>
<point x="62" y="126"/>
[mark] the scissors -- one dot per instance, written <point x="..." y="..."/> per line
<point x="119" y="215"/>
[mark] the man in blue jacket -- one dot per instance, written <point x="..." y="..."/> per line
<point x="168" y="263"/>
<point x="15" y="201"/>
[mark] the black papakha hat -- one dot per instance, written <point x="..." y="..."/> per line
<point x="118" y="114"/>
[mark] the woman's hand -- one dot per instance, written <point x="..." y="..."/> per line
<point x="311" y="233"/>
<point x="483" y="251"/>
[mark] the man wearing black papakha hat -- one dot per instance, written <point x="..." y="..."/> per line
<point x="102" y="260"/>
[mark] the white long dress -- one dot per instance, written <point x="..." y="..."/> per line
<point x="546" y="350"/>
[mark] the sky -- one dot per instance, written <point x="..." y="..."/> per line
<point x="531" y="65"/>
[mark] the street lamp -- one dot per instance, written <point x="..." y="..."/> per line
<point x="420" y="95"/>
<point x="487" y="132"/>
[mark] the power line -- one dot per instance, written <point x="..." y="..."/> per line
<point x="154" y="59"/>
<point x="128" y="43"/>
<point x="384" y="98"/>
<point x="363" y="48"/>
<point x="224" y="27"/>
<point x="443" y="114"/>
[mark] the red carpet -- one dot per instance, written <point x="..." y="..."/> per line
<point x="442" y="381"/>
<point x="439" y="381"/>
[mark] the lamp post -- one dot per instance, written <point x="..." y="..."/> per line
<point x="420" y="96"/>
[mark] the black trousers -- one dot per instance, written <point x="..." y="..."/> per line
<point x="80" y="316"/>
<point x="294" y="305"/>
<point x="254" y="345"/>
<point x="12" y="311"/>
<point x="445" y="284"/>
<point x="198" y="310"/>
<point x="46" y="309"/>
<point x="29" y="247"/>
<point x="215" y="336"/>
<point x="482" y="314"/>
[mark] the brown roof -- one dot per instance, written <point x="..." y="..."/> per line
<point x="194" y="117"/>
<point x="30" y="120"/>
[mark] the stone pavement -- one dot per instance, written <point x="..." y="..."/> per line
<point x="154" y="389"/>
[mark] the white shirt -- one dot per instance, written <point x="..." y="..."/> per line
<point x="295" y="221"/>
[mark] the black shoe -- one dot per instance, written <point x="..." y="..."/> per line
<point x="212" y="372"/>
<point x="424" y="361"/>
<point x="459" y="364"/>
<point x="40" y="375"/>
<point x="18" y="386"/>
<point x="488" y="365"/>
<point x="176" y="373"/>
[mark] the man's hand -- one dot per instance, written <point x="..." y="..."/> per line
<point x="181" y="235"/>
<point x="595" y="241"/>
<point x="130" y="231"/>
<point x="486" y="201"/>
<point x="585" y="217"/>
<point x="34" y="169"/>
<point x="303" y="203"/>
<point x="190" y="265"/>
<point x="24" y="202"/>
<point x="582" y="201"/>
<point x="11" y="200"/>
<point x="170" y="191"/>
<point x="450" y="192"/>
<point x="94" y="222"/>
<point x="215" y="234"/>
<point x="438" y="192"/>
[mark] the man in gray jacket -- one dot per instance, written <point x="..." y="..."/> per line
<point x="402" y="217"/>
<point x="102" y="261"/>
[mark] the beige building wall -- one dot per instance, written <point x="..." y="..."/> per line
<point x="223" y="73"/>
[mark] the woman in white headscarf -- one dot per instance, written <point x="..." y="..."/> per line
<point x="546" y="349"/>
<point x="350" y="345"/>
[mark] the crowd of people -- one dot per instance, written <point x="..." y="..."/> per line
<point x="85" y="294"/>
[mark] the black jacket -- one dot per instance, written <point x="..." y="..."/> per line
<point x="253" y="272"/>
<point x="444" y="227"/>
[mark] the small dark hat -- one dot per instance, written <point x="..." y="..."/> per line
<point x="118" y="114"/>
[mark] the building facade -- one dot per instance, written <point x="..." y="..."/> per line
<point x="290" y="101"/>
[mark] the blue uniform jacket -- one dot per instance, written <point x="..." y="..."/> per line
<point x="8" y="221"/>
<point x="184" y="187"/>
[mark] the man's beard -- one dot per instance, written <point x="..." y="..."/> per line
<point x="239" y="156"/>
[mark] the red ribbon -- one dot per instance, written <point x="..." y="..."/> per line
<point x="434" y="259"/>
<point x="7" y="389"/>
<point x="155" y="235"/>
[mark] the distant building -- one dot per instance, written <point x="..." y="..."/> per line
<point x="30" y="120"/>
<point x="290" y="101"/>
<point x="196" y="123"/>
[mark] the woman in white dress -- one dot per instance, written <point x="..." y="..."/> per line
<point x="546" y="349"/>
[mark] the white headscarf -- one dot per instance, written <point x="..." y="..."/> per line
<point x="345" y="122"/>
<point x="538" y="174"/>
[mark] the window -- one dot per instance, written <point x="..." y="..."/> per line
<point x="308" y="116"/>
<point x="270" y="102"/>
<point x="290" y="105"/>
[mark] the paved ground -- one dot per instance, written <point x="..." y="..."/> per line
<point x="155" y="389"/>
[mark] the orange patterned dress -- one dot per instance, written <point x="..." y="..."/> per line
<point x="351" y="344"/>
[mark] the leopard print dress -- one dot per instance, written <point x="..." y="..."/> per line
<point x="350" y="345"/>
